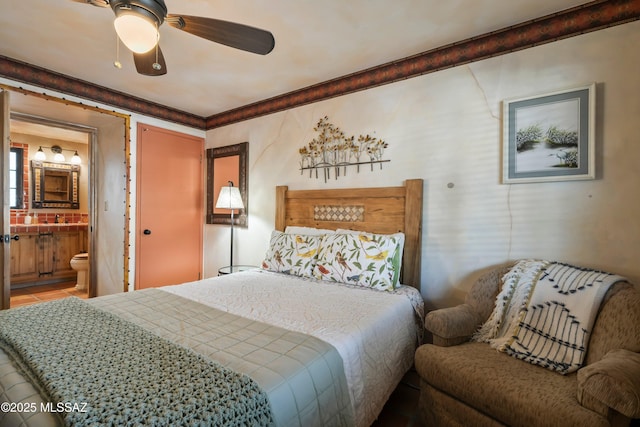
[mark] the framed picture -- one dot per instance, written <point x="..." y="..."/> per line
<point x="226" y="164"/>
<point x="549" y="137"/>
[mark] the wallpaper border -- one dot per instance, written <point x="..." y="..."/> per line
<point x="588" y="17"/>
<point x="571" y="22"/>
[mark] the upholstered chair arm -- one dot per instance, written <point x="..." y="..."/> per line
<point x="453" y="325"/>
<point x="613" y="381"/>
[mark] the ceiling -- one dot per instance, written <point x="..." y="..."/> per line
<point x="315" y="42"/>
<point x="49" y="132"/>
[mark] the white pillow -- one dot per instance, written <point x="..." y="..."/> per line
<point x="309" y="231"/>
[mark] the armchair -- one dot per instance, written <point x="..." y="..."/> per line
<point x="469" y="383"/>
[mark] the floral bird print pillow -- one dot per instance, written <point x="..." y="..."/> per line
<point x="361" y="259"/>
<point x="294" y="254"/>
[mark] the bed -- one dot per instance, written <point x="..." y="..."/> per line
<point x="321" y="334"/>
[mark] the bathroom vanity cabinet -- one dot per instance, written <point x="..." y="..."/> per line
<point x="24" y="258"/>
<point x="44" y="256"/>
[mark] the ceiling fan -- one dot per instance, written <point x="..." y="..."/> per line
<point x="137" y="23"/>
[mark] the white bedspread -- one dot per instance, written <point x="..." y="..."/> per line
<point x="374" y="332"/>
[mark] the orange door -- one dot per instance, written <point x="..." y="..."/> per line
<point x="170" y="202"/>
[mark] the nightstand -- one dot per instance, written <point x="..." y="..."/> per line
<point x="229" y="269"/>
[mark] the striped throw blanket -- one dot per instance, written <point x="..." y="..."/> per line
<point x="545" y="312"/>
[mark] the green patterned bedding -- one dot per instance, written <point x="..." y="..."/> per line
<point x="114" y="372"/>
<point x="118" y="354"/>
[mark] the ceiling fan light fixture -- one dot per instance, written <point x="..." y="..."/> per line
<point x="139" y="34"/>
<point x="137" y="23"/>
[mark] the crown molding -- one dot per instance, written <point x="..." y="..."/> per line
<point x="41" y="77"/>
<point x="588" y="17"/>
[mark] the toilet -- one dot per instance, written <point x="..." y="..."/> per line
<point x="80" y="263"/>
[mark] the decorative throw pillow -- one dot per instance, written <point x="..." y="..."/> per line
<point x="292" y="253"/>
<point x="397" y="256"/>
<point x="363" y="259"/>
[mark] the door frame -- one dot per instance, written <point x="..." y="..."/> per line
<point x="5" y="292"/>
<point x="5" y="286"/>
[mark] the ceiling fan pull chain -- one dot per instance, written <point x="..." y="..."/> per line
<point x="156" y="65"/>
<point x="117" y="62"/>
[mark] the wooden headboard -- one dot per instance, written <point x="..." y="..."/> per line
<point x="382" y="210"/>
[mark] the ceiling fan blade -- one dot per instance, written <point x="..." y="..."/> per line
<point x="231" y="34"/>
<point x="98" y="3"/>
<point x="147" y="65"/>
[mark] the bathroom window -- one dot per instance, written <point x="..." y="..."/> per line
<point x="15" y="178"/>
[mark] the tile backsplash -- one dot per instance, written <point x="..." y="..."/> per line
<point x="17" y="217"/>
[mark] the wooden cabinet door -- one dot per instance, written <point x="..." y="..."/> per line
<point x="24" y="259"/>
<point x="66" y="246"/>
<point x="45" y="254"/>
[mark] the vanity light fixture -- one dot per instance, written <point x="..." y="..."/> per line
<point x="58" y="156"/>
<point x="40" y="155"/>
<point x="76" y="160"/>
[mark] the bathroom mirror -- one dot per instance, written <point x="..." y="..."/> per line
<point x="55" y="185"/>
<point x="226" y="164"/>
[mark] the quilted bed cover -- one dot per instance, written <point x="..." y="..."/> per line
<point x="372" y="335"/>
<point x="375" y="332"/>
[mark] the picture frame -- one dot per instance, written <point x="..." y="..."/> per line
<point x="550" y="136"/>
<point x="224" y="164"/>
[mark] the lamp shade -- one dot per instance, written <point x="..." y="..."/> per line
<point x="40" y="155"/>
<point x="229" y="198"/>
<point x="76" y="160"/>
<point x="58" y="156"/>
<point x="137" y="33"/>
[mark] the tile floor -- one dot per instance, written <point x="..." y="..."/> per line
<point x="400" y="410"/>
<point x="35" y="294"/>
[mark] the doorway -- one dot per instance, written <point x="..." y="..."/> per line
<point x="108" y="170"/>
<point x="49" y="205"/>
<point x="49" y="202"/>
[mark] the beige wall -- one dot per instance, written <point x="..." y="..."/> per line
<point x="446" y="129"/>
